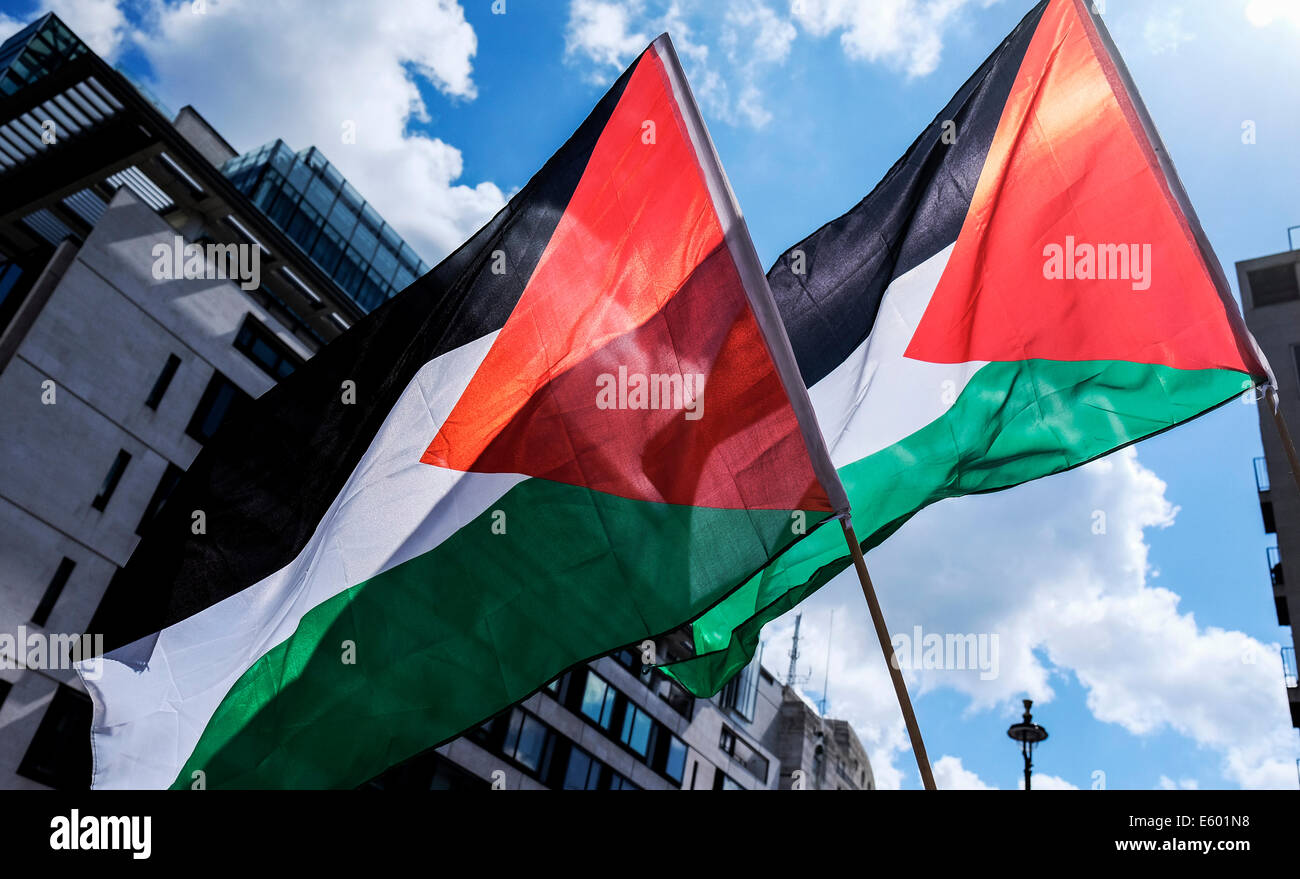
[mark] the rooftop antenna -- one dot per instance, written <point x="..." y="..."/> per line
<point x="792" y="677"/>
<point x="826" y="681"/>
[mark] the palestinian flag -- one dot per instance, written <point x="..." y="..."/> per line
<point x="1025" y="291"/>
<point x="582" y="429"/>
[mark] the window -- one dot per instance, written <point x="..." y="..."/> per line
<point x="426" y="771"/>
<point x="631" y="660"/>
<point x="164" y="379"/>
<point x="1272" y="285"/>
<point x="9" y="275"/>
<point x="741" y="692"/>
<point x="675" y="695"/>
<point x="637" y="726"/>
<point x="218" y="399"/>
<point x="583" y="772"/>
<point x="740" y="751"/>
<point x="111" y="479"/>
<point x="669" y="755"/>
<point x="262" y="347"/>
<point x="598" y="700"/>
<point x="166" y="486"/>
<point x="5" y="687"/>
<point x="529" y="741"/>
<point x="722" y="781"/>
<point x="52" y="591"/>
<point x="59" y="754"/>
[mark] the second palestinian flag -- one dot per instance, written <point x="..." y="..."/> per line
<point x="1021" y="294"/>
<point x="582" y="429"/>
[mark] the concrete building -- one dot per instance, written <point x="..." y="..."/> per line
<point x="610" y="725"/>
<point x="117" y="363"/>
<point x="112" y="374"/>
<point x="1270" y="297"/>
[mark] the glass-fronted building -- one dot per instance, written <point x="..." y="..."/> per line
<point x="38" y="49"/>
<point x="313" y="204"/>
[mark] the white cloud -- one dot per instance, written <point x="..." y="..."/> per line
<point x="752" y="37"/>
<point x="1264" y="13"/>
<point x="100" y="23"/>
<point x="1167" y="783"/>
<point x="753" y="32"/>
<point x="1025" y="565"/>
<point x="9" y="26"/>
<point x="1042" y="781"/>
<point x="301" y="69"/>
<point x="949" y="774"/>
<point x="606" y="33"/>
<point x="904" y="34"/>
<point x="1164" y="31"/>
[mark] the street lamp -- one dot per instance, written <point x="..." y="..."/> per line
<point x="1028" y="734"/>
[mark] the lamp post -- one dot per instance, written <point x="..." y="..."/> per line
<point x="1028" y="734"/>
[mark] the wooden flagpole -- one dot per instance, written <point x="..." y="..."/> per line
<point x="886" y="645"/>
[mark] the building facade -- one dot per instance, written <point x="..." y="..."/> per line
<point x="152" y="279"/>
<point x="614" y="724"/>
<point x="1270" y="297"/>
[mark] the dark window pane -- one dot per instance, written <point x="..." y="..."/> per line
<point x="111" y="479"/>
<point x="52" y="591"/>
<point x="582" y="772"/>
<point x="532" y="740"/>
<point x="1273" y="285"/>
<point x="262" y="346"/>
<point x="636" y="730"/>
<point x="598" y="700"/>
<point x="164" y="379"/>
<point x="220" y="397"/>
<point x="676" y="764"/>
<point x="166" y="485"/>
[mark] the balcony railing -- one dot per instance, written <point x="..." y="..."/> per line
<point x="1261" y="474"/>
<point x="1274" y="557"/>
<point x="1288" y="667"/>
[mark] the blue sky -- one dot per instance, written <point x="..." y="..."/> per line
<point x="1151" y="650"/>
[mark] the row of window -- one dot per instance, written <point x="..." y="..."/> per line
<point x="59" y="753"/>
<point x="589" y="695"/>
<point x="740" y="750"/>
<point x="539" y="750"/>
<point x="664" y="687"/>
<point x="219" y="398"/>
<point x="309" y="200"/>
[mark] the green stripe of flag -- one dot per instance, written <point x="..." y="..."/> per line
<point x="458" y="625"/>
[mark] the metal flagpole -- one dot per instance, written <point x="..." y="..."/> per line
<point x="882" y="632"/>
